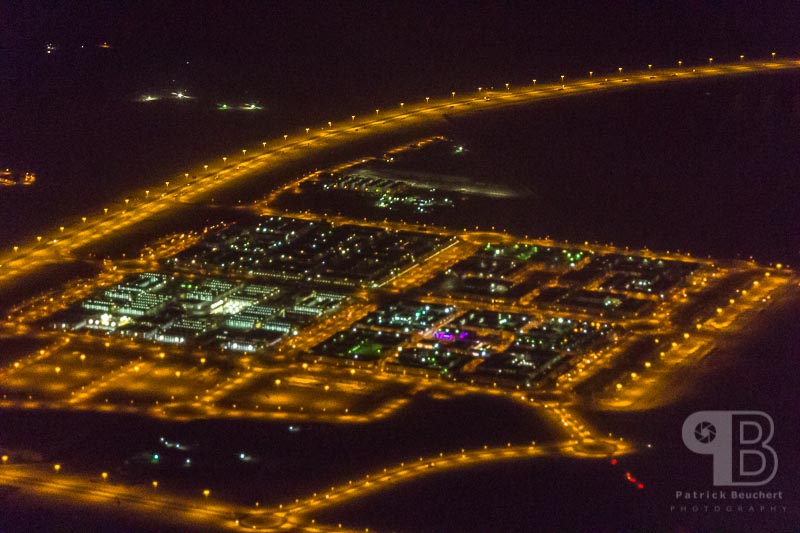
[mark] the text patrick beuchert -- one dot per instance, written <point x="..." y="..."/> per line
<point x="735" y="495"/>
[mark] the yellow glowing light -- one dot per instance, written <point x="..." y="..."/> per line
<point x="57" y="468"/>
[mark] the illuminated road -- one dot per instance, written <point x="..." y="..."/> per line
<point x="126" y="376"/>
<point x="143" y="205"/>
<point x="294" y="515"/>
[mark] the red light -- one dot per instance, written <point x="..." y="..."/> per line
<point x="640" y="486"/>
<point x="613" y="461"/>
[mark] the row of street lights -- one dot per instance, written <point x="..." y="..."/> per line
<point x="377" y="112"/>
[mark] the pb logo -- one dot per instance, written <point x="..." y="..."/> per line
<point x="739" y="443"/>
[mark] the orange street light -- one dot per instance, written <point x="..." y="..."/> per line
<point x="285" y="136"/>
<point x="741" y="57"/>
<point x="264" y="145"/>
<point x="352" y="117"/>
<point x="620" y="69"/>
<point x="680" y="63"/>
<point x="427" y="99"/>
<point x="206" y="493"/>
<point x="453" y="95"/>
<point x="710" y="60"/>
<point x="56" y="467"/>
<point x="104" y="475"/>
<point x="155" y="485"/>
<point x="224" y="160"/>
<point x="244" y="151"/>
<point x="507" y="87"/>
<point x="377" y="111"/>
<point x="773" y="55"/>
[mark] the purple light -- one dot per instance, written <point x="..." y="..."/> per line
<point x="463" y="335"/>
<point x="443" y="336"/>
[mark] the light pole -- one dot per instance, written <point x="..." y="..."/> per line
<point x="649" y="66"/>
<point x="773" y="55"/>
<point x="427" y="99"/>
<point x="244" y="152"/>
<point x="453" y="95"/>
<point x="680" y="63"/>
<point x="264" y="145"/>
<point x="710" y="60"/>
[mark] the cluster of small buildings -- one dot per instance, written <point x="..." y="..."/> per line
<point x="388" y="193"/>
<point x="199" y="310"/>
<point x="475" y="345"/>
<point x="294" y="250"/>
<point x="563" y="279"/>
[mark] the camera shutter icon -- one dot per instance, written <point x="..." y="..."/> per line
<point x="705" y="432"/>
